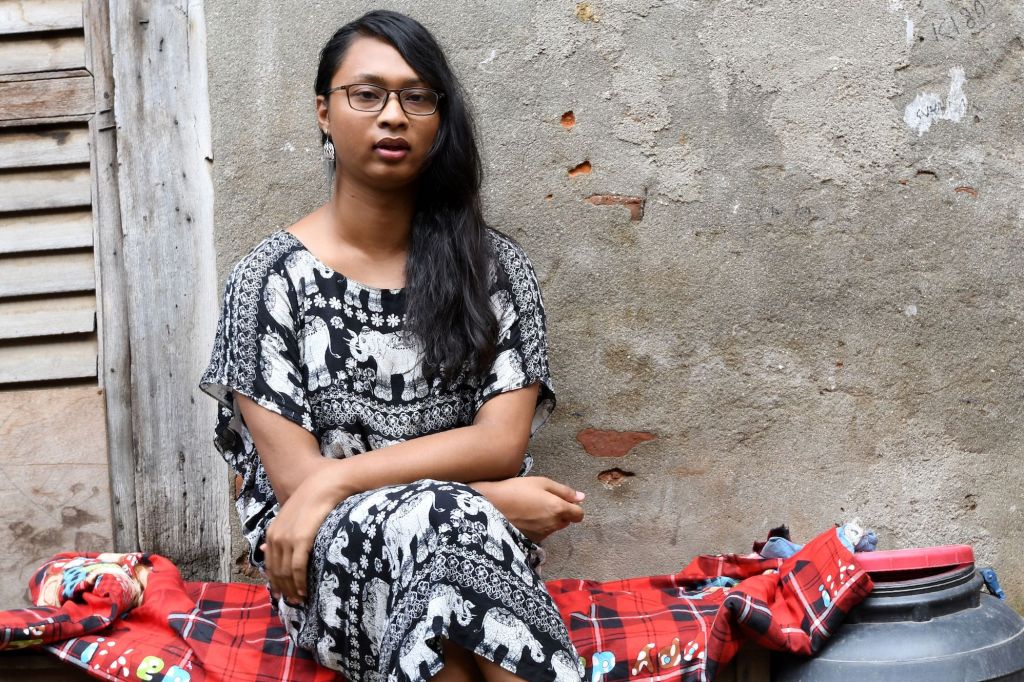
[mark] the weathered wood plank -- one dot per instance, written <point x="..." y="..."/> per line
<point x="46" y="97"/>
<point x="45" y="188"/>
<point x="171" y="321"/>
<point x="46" y="120"/>
<point x="48" y="316"/>
<point x="111" y="282"/>
<point x="42" y="75"/>
<point x="26" y="16"/>
<point x="45" y="231"/>
<point x="44" y="146"/>
<point x="28" y="54"/>
<point x="47" y="361"/>
<point x="48" y="274"/>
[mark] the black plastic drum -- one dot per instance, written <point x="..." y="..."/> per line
<point x="932" y="624"/>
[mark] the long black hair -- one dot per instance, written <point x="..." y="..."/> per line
<point x="447" y="270"/>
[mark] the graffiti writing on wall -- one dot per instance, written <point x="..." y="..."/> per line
<point x="968" y="19"/>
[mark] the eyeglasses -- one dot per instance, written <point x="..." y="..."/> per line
<point x="367" y="97"/>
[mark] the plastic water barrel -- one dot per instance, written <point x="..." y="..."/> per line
<point x="926" y="619"/>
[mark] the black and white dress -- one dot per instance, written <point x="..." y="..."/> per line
<point x="393" y="569"/>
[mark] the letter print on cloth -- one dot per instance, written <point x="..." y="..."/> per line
<point x="397" y="568"/>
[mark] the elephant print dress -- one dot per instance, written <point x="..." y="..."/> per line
<point x="395" y="569"/>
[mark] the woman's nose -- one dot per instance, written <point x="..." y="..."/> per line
<point x="392" y="113"/>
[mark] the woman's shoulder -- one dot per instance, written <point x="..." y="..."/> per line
<point x="508" y="253"/>
<point x="268" y="255"/>
<point x="512" y="263"/>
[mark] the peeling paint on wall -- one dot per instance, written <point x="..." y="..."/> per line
<point x="927" y="107"/>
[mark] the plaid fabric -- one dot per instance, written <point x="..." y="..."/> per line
<point x="683" y="627"/>
<point x="671" y="627"/>
<point x="181" y="632"/>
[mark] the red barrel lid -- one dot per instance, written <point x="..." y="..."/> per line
<point x="920" y="560"/>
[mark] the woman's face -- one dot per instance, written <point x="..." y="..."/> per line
<point x="356" y="134"/>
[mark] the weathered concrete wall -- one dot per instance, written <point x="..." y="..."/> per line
<point x="809" y="295"/>
<point x="54" y="481"/>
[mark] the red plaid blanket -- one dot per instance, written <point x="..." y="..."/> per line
<point x="654" y="628"/>
<point x="181" y="631"/>
<point x="676" y="627"/>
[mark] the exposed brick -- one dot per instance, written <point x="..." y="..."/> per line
<point x="582" y="169"/>
<point x="613" y="478"/>
<point x="568" y="119"/>
<point x="611" y="443"/>
<point x="634" y="204"/>
<point x="967" y="190"/>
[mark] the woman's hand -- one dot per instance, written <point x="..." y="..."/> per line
<point x="535" y="505"/>
<point x="291" y="534"/>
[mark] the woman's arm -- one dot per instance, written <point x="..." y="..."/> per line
<point x="308" y="485"/>
<point x="491" y="448"/>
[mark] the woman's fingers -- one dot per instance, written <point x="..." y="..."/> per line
<point x="286" y="570"/>
<point x="573" y="513"/>
<point x="298" y="570"/>
<point x="567" y="493"/>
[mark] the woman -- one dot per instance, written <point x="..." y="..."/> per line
<point x="392" y="324"/>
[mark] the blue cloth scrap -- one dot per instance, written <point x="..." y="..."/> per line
<point x="781" y="548"/>
<point x="720" y="581"/>
<point x="868" y="542"/>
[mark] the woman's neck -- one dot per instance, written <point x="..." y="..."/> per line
<point x="374" y="221"/>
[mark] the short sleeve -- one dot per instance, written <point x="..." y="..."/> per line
<point x="255" y="350"/>
<point x="522" y="349"/>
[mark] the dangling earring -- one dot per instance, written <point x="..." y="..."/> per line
<point x="329" y="150"/>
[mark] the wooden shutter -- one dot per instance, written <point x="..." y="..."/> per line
<point x="47" y="265"/>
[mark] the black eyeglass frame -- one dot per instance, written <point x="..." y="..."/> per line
<point x="387" y="97"/>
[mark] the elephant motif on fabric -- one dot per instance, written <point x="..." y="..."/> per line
<point x="394" y="355"/>
<point x="378" y="442"/>
<point x="360" y="513"/>
<point x="445" y="598"/>
<point x="475" y="504"/>
<point x="316" y="344"/>
<point x="301" y="266"/>
<point x="275" y="298"/>
<point x="336" y="553"/>
<point x="339" y="443"/>
<point x="331" y="607"/>
<point x="508" y="368"/>
<point x="327" y="652"/>
<point x="409" y="521"/>
<point x="415" y="651"/>
<point x="352" y="291"/>
<point x="502" y="628"/>
<point x="276" y="369"/>
<point x="375" y="611"/>
<point x="504" y="313"/>
<point x="566" y="666"/>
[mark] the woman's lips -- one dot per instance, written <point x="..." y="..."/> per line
<point x="391" y="153"/>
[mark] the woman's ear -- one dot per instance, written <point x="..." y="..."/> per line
<point x="322" y="118"/>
